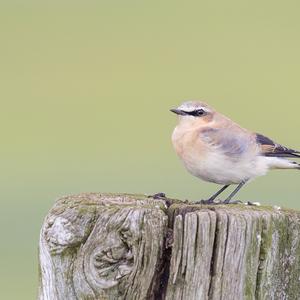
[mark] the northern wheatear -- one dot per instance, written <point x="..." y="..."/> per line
<point x="215" y="149"/>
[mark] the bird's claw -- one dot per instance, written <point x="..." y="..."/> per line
<point x="206" y="202"/>
<point x="231" y="202"/>
<point x="219" y="202"/>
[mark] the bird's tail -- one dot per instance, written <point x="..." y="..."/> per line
<point x="294" y="165"/>
<point x="283" y="163"/>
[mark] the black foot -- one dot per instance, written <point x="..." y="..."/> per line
<point x="158" y="196"/>
<point x="231" y="202"/>
<point x="206" y="202"/>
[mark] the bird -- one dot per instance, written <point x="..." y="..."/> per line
<point x="215" y="149"/>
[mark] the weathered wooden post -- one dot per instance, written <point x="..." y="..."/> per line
<point x="119" y="246"/>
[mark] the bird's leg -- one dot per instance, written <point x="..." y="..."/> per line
<point x="227" y="200"/>
<point x="214" y="196"/>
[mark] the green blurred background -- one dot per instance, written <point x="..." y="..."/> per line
<point x="85" y="91"/>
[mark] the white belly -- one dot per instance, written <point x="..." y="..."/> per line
<point x="219" y="168"/>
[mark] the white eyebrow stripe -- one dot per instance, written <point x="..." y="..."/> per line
<point x="189" y="108"/>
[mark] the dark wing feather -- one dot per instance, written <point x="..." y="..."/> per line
<point x="270" y="148"/>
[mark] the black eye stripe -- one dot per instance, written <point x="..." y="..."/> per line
<point x="195" y="113"/>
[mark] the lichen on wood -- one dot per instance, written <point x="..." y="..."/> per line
<point x="121" y="246"/>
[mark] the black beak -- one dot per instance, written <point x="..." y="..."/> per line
<point x="178" y="112"/>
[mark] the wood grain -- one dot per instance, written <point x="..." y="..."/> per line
<point x="119" y="246"/>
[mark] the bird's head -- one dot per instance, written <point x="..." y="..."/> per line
<point x="194" y="112"/>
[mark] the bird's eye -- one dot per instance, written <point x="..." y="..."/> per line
<point x="199" y="112"/>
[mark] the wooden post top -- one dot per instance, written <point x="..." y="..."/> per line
<point x="122" y="246"/>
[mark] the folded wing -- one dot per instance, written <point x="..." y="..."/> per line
<point x="231" y="143"/>
<point x="270" y="148"/>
